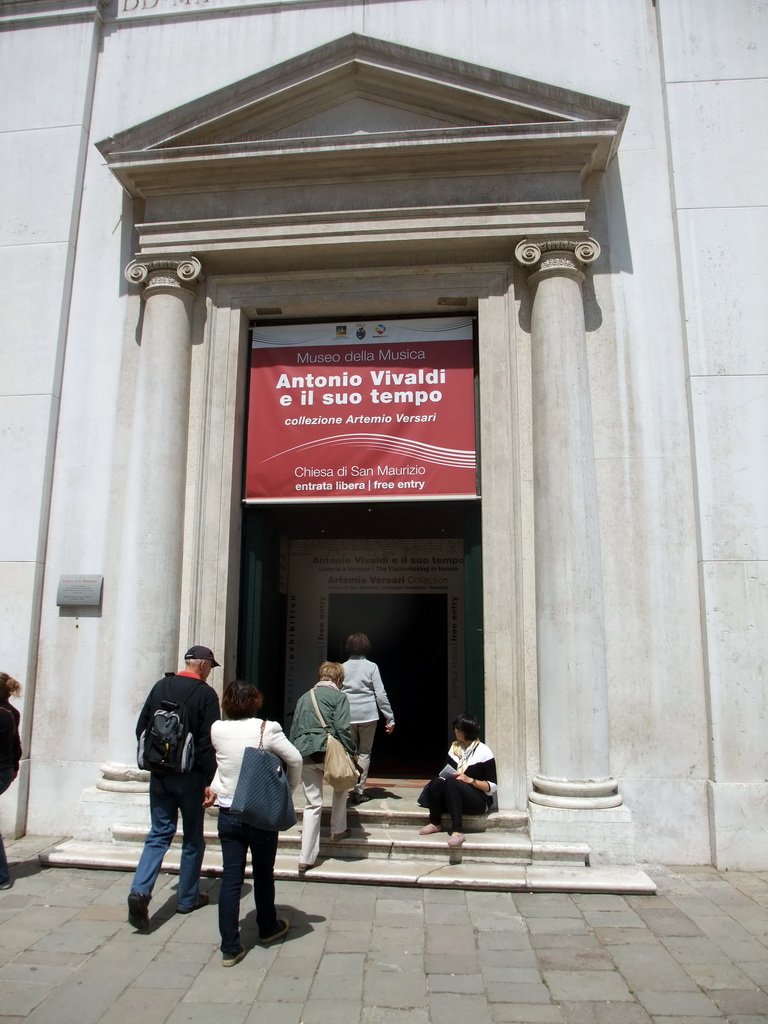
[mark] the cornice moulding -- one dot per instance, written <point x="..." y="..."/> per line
<point x="442" y="117"/>
<point x="17" y="12"/>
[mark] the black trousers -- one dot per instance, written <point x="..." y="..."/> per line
<point x="456" y="798"/>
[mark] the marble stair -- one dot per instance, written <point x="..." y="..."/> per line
<point x="386" y="849"/>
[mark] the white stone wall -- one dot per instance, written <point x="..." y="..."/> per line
<point x="675" y="311"/>
<point x="715" y="60"/>
<point x="47" y="71"/>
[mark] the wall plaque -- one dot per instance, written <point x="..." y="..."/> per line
<point x="79" y="590"/>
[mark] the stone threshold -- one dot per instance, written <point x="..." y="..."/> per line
<point x="402" y="870"/>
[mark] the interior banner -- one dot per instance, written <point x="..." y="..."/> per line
<point x="362" y="409"/>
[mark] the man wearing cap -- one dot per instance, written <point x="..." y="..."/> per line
<point x="171" y="793"/>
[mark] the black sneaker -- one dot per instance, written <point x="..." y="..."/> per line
<point x="138" y="913"/>
<point x="281" y="928"/>
<point x="230" y="959"/>
<point x="202" y="901"/>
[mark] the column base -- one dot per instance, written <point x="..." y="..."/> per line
<point x="120" y="796"/>
<point x="608" y="831"/>
<point x="122" y="778"/>
<point x="575" y="793"/>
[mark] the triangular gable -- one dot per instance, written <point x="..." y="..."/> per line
<point x="346" y="99"/>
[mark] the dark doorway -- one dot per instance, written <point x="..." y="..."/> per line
<point x="409" y="643"/>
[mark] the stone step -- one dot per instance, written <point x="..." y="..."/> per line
<point x="382" y="843"/>
<point x="416" y="872"/>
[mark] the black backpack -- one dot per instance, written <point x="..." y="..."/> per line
<point x="167" y="745"/>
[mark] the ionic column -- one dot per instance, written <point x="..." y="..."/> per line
<point x="149" y="583"/>
<point x="573" y="718"/>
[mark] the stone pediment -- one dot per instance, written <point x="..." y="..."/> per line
<point x="361" y="108"/>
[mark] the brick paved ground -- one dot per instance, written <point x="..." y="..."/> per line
<point x="695" y="953"/>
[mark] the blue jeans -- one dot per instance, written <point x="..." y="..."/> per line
<point x="236" y="839"/>
<point x="6" y="778"/>
<point x="169" y="794"/>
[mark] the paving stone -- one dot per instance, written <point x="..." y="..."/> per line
<point x="33" y="974"/>
<point x="340" y="942"/>
<point x="668" y="922"/>
<point x="98" y="912"/>
<point x="756" y="972"/>
<point x="446" y="914"/>
<point x="704" y="1020"/>
<point x="605" y="1013"/>
<point x="191" y="952"/>
<point x="397" y="962"/>
<point x="329" y="1011"/>
<point x="472" y="983"/>
<point x="592" y="959"/>
<point x="625" y="936"/>
<point x="148" y="1005"/>
<point x="514" y="975"/>
<point x="381" y="988"/>
<point x="545" y="904"/>
<point x="392" y="1015"/>
<point x="284" y="990"/>
<point x="549" y="940"/>
<point x="614" y="919"/>
<point x="651" y="967"/>
<point x="499" y="921"/>
<point x="557" y="926"/>
<point x="694" y="950"/>
<point x="68" y="940"/>
<point x="512" y="992"/>
<point x="717" y="976"/>
<point x="50" y="959"/>
<point x="297" y="966"/>
<point x="438" y="963"/>
<point x="513" y="940"/>
<point x="439" y="955"/>
<point x="80" y="1000"/>
<point x="46" y="919"/>
<point x="352" y="912"/>
<point x="275" y="1013"/>
<point x="678" y="1004"/>
<point x="448" y="1008"/>
<point x="733" y="1001"/>
<point x="330" y="988"/>
<point x="159" y="974"/>
<point x="409" y="908"/>
<point x="446" y="940"/>
<point x="200" y="1013"/>
<point x="526" y="1013"/>
<point x="509" y="958"/>
<point x="593" y="901"/>
<point x="410" y="940"/>
<point x="587" y="985"/>
<point x="21" y="997"/>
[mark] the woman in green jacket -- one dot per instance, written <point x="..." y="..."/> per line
<point x="310" y="738"/>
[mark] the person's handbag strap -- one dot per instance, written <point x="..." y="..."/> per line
<point x="317" y="710"/>
<point x="261" y="734"/>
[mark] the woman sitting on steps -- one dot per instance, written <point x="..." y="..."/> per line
<point x="467" y="784"/>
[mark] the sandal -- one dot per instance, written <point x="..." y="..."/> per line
<point x="429" y="830"/>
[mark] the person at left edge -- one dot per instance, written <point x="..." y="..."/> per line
<point x="171" y="794"/>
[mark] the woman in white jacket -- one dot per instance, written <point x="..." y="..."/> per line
<point x="242" y="729"/>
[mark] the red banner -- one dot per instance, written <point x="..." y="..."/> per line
<point x="362" y="410"/>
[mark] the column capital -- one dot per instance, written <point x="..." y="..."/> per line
<point x="557" y="254"/>
<point x="178" y="272"/>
